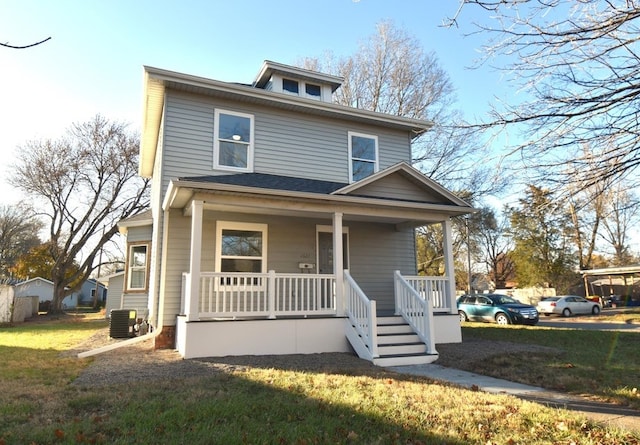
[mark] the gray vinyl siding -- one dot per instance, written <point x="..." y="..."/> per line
<point x="397" y="187"/>
<point x="139" y="234"/>
<point x="114" y="293"/>
<point x="175" y="262"/>
<point x="138" y="302"/>
<point x="376" y="251"/>
<point x="289" y="144"/>
<point x="289" y="241"/>
<point x="286" y="143"/>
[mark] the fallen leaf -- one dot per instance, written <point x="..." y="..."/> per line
<point x="59" y="433"/>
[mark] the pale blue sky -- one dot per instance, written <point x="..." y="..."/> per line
<point x="93" y="63"/>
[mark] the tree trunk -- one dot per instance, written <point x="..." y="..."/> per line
<point x="58" y="295"/>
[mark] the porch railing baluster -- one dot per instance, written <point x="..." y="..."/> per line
<point x="229" y="295"/>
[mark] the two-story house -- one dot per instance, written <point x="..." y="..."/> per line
<point x="250" y="185"/>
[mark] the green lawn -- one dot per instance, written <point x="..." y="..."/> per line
<point x="263" y="406"/>
<point x="601" y="364"/>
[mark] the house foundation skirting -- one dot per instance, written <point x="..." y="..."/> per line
<point x="447" y="328"/>
<point x="260" y="337"/>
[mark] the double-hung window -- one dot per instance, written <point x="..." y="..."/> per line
<point x="233" y="141"/>
<point x="138" y="266"/>
<point x="363" y="155"/>
<point x="241" y="247"/>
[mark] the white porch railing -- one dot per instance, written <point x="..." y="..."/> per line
<point x="233" y="295"/>
<point x="434" y="289"/>
<point x="416" y="310"/>
<point x="362" y="317"/>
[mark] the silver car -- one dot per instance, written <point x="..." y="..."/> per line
<point x="567" y="305"/>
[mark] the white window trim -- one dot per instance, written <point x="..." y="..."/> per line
<point x="130" y="268"/>
<point x="216" y="142"/>
<point x="375" y="162"/>
<point x="302" y="88"/>
<point x="231" y="225"/>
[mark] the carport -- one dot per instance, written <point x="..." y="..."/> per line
<point x="613" y="281"/>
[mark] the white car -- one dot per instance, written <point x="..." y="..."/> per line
<point x="567" y="305"/>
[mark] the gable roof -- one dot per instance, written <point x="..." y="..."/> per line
<point x="157" y="81"/>
<point x="141" y="219"/>
<point x="43" y="280"/>
<point x="269" y="68"/>
<point x="426" y="188"/>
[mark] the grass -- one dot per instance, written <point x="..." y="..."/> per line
<point x="622" y="315"/>
<point x="261" y="406"/>
<point x="601" y="364"/>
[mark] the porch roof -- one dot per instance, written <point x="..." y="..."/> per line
<point x="274" y="182"/>
<point x="291" y="196"/>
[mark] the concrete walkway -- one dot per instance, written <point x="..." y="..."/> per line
<point x="606" y="413"/>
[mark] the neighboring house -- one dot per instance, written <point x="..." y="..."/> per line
<point x="249" y="184"/>
<point x="115" y="286"/>
<point x="43" y="289"/>
<point x="85" y="294"/>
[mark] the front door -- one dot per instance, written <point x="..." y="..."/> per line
<point x="325" y="252"/>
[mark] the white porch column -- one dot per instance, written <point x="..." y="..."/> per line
<point x="338" y="264"/>
<point x="193" y="297"/>
<point x="449" y="270"/>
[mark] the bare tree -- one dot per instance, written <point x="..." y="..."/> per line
<point x="579" y="65"/>
<point x="7" y="45"/>
<point x="87" y="182"/>
<point x="490" y="238"/>
<point x="586" y="207"/>
<point x="391" y="73"/>
<point x="19" y="228"/>
<point x="621" y="210"/>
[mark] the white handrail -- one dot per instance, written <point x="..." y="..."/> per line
<point x="362" y="316"/>
<point x="435" y="289"/>
<point x="416" y="311"/>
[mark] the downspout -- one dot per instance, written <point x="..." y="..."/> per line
<point x="122" y="344"/>
<point x="151" y="335"/>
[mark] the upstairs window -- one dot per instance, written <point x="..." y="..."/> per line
<point x="138" y="266"/>
<point x="290" y="86"/>
<point x="363" y="155"/>
<point x="313" y="91"/>
<point x="233" y="141"/>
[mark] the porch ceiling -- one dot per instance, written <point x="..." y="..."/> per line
<point x="251" y="200"/>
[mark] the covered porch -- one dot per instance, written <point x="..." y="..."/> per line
<point x="264" y="274"/>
